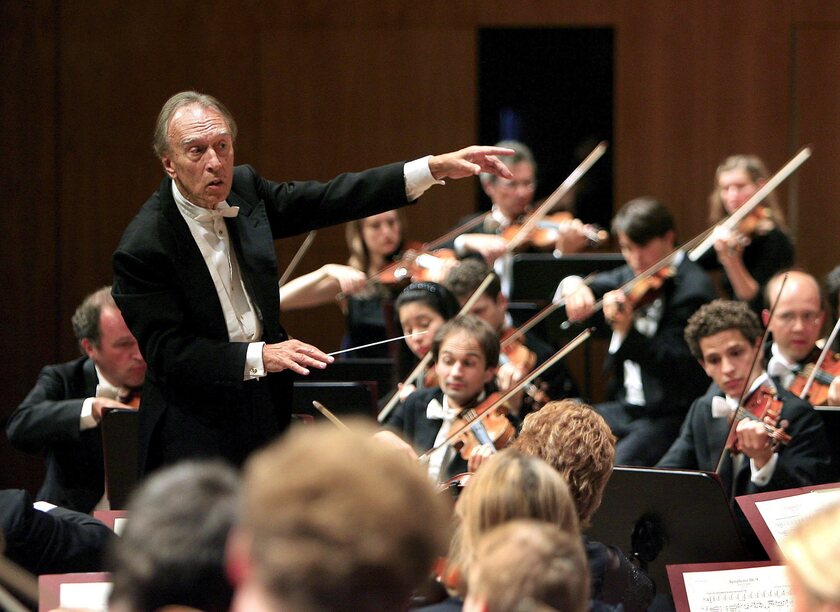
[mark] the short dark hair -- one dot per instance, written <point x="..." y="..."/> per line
<point x="466" y="277"/>
<point x="160" y="142"/>
<point x="475" y="327"/>
<point x="719" y="316"/>
<point x="86" y="318"/>
<point x="172" y="550"/>
<point x="642" y="220"/>
<point x="434" y="295"/>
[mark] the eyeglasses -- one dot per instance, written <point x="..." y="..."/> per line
<point x="513" y="185"/>
<point x="808" y="319"/>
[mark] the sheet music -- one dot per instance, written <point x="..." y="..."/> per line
<point x="119" y="525"/>
<point x="757" y="588"/>
<point x="783" y="514"/>
<point x="86" y="595"/>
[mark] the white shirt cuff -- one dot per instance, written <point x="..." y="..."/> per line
<point x="86" y="420"/>
<point x="418" y="178"/>
<point x="43" y="506"/>
<point x="616" y="341"/>
<point x="566" y="286"/>
<point x="254" y="366"/>
<point x="762" y="477"/>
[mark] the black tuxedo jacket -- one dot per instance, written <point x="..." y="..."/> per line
<point x="671" y="376"/>
<point x="54" y="542"/>
<point x="409" y="419"/>
<point x="194" y="394"/>
<point x="804" y="461"/>
<point x="48" y="422"/>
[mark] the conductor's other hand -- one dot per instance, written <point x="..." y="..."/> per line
<point x="469" y="162"/>
<point x="294" y="355"/>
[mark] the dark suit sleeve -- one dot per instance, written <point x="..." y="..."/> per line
<point x="45" y="416"/>
<point x="54" y="542"/>
<point x="297" y="207"/>
<point x="683" y="452"/>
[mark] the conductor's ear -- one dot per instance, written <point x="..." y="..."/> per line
<point x="168" y="166"/>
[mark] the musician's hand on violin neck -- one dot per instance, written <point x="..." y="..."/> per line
<point x="579" y="302"/>
<point x="294" y="355"/>
<point x="349" y="279"/>
<point x="834" y="392"/>
<point x="754" y="441"/>
<point x="489" y="246"/>
<point x="571" y="237"/>
<point x="470" y="161"/>
<point x="479" y="456"/>
<point x="618" y="311"/>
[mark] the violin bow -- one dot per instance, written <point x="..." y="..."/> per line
<point x="328" y="413"/>
<point x="302" y="249"/>
<point x="743" y="394"/>
<point x="427" y="358"/>
<point x="551" y="201"/>
<point x="735" y="218"/>
<point x="826" y="350"/>
<point x="538" y="371"/>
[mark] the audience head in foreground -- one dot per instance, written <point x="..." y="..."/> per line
<point x="334" y="520"/>
<point x="509" y="486"/>
<point x="172" y="551"/>
<point x="577" y="442"/>
<point x="528" y="565"/>
<point x="811" y="553"/>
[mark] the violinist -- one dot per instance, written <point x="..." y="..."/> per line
<point x="512" y="200"/>
<point x="760" y="247"/>
<point x="724" y="337"/>
<point x="423" y="307"/>
<point x="519" y="358"/>
<point x="796" y="325"/>
<point x="465" y="352"/>
<point x="373" y="242"/>
<point x="654" y="377"/>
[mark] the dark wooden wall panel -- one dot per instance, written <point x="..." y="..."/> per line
<point x="321" y="86"/>
<point x="29" y="184"/>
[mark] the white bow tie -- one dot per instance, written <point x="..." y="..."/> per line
<point x="721" y="407"/>
<point x="781" y="369"/>
<point x="435" y="410"/>
<point x="207" y="216"/>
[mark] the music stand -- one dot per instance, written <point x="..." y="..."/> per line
<point x="342" y="398"/>
<point x="120" y="441"/>
<point x="50" y="586"/>
<point x="536" y="275"/>
<point x="664" y="517"/>
<point x="380" y="370"/>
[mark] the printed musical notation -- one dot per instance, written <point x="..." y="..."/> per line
<point x="759" y="588"/>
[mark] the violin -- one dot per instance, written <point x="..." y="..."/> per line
<point x="514" y="351"/>
<point x="822" y="375"/>
<point x="764" y="406"/>
<point x="494" y="429"/>
<point x="647" y="289"/>
<point x="543" y="236"/>
<point x="417" y="265"/>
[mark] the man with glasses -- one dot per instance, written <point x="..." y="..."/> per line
<point x="796" y="324"/>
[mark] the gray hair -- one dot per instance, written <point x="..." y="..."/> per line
<point x="160" y="142"/>
<point x="86" y="318"/>
<point x="521" y="153"/>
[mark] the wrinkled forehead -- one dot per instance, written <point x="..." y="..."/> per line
<point x="193" y="122"/>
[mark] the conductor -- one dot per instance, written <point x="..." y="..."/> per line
<point x="195" y="275"/>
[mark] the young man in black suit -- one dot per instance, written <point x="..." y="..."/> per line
<point x="195" y="275"/>
<point x="466" y="354"/>
<point x="654" y="376"/>
<point x="724" y="336"/>
<point x="60" y="416"/>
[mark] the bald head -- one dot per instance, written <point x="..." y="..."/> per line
<point x="798" y="317"/>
